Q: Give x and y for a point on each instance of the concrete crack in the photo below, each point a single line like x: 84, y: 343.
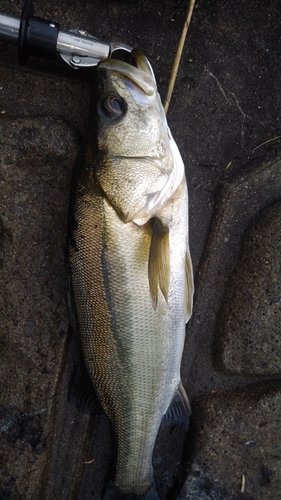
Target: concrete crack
x: 219, y: 85
x: 230, y: 102
x: 238, y: 106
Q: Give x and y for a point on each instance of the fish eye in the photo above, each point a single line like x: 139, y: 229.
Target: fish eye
x: 113, y: 106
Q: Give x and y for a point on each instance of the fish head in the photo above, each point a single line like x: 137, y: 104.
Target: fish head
x: 139, y: 163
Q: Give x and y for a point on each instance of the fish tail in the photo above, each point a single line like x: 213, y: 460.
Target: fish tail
x: 112, y: 492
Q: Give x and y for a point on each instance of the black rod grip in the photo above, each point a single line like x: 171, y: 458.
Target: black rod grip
x: 36, y: 36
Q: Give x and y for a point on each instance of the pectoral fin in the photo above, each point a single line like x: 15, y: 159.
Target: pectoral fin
x: 189, y: 286
x: 159, y: 262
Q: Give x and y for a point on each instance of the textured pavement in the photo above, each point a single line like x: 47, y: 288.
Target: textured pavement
x: 225, y: 117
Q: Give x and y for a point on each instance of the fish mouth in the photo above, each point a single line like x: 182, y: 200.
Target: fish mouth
x: 137, y: 75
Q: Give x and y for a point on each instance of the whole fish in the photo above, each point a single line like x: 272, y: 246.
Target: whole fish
x: 130, y: 272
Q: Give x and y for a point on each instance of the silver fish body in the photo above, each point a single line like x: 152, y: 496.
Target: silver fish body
x: 129, y: 266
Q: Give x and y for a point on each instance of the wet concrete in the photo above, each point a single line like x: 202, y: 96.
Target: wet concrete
x: 225, y: 117
x: 248, y: 331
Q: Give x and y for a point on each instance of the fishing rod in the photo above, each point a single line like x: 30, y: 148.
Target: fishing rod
x: 43, y: 38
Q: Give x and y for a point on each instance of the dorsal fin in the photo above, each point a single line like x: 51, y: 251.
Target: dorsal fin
x: 159, y: 261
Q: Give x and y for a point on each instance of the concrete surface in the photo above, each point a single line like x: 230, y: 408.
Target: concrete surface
x: 225, y: 117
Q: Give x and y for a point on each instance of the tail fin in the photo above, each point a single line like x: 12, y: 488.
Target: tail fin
x: 112, y: 492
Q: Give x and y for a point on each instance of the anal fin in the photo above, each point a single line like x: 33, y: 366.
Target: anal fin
x: 82, y: 393
x: 179, y: 410
x: 159, y: 261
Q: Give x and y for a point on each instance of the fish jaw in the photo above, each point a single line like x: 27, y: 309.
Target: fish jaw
x: 145, y: 80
